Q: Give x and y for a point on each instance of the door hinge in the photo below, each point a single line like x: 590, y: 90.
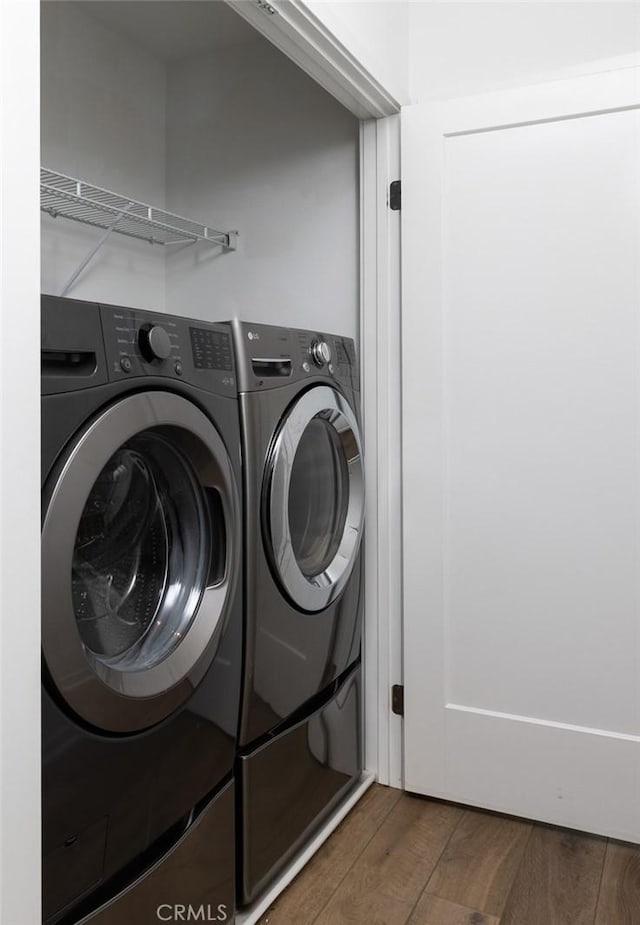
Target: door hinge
x: 395, y: 196
x: 397, y: 699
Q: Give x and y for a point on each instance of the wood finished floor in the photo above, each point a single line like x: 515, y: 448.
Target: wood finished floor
x: 399, y: 859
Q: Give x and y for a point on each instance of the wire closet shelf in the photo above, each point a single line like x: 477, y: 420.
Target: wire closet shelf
x: 75, y: 199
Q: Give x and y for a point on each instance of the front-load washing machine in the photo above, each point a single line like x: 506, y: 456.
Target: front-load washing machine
x: 141, y: 615
x: 300, y: 730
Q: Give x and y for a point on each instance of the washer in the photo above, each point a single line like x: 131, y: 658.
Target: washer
x: 300, y: 729
x: 141, y: 614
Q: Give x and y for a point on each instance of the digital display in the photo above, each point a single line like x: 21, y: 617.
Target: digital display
x: 211, y: 349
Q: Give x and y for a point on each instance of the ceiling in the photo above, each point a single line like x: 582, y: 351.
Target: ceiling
x: 173, y: 29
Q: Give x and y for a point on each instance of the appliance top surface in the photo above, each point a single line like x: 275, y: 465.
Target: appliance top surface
x: 269, y: 356
x: 85, y: 344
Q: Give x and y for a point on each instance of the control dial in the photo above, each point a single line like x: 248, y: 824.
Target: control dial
x: 321, y: 352
x: 154, y: 342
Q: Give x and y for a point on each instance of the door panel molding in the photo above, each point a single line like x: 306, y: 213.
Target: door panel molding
x: 560, y: 769
x: 536, y: 721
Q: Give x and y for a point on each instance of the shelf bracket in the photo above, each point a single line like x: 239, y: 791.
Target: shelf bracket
x: 232, y: 240
x: 94, y: 250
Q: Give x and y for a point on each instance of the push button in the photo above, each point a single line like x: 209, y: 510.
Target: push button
x: 126, y: 365
x: 178, y: 368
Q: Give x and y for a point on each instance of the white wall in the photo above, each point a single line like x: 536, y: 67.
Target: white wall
x: 268, y: 152
x: 458, y: 49
x: 103, y: 121
x: 19, y: 468
x: 237, y: 138
x: 377, y: 33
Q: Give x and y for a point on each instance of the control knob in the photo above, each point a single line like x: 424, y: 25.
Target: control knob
x: 321, y: 352
x: 154, y: 342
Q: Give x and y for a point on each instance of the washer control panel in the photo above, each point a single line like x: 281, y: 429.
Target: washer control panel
x: 140, y: 343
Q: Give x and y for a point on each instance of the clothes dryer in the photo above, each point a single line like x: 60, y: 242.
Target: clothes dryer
x: 300, y: 740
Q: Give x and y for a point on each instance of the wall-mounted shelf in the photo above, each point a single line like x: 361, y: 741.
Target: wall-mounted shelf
x: 71, y: 198
x: 68, y: 197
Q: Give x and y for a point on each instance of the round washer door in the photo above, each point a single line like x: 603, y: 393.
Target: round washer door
x: 315, y: 498
x: 140, y: 556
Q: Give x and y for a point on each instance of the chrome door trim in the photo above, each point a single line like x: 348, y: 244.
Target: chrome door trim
x: 317, y: 592
x: 125, y: 701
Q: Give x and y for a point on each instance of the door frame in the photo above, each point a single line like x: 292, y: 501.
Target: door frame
x: 380, y: 344
x: 293, y: 28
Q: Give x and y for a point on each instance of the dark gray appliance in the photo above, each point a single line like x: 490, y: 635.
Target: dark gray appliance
x: 300, y: 729
x: 141, y: 613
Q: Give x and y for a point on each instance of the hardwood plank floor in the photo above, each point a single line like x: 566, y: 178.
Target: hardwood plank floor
x: 479, y: 863
x: 386, y: 881
x: 431, y: 910
x: 558, y: 880
x: 399, y: 859
x: 619, y: 899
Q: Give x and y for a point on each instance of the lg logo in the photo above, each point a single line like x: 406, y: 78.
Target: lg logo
x: 178, y: 912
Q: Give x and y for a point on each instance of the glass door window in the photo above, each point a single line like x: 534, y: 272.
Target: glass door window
x: 141, y: 555
x: 315, y: 498
x: 318, y: 497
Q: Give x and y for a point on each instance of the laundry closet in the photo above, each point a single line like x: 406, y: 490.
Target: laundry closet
x: 209, y: 687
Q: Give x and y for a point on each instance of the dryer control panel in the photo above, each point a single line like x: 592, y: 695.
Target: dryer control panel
x: 269, y: 356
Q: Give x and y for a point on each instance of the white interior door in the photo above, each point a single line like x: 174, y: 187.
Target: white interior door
x: 521, y: 394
